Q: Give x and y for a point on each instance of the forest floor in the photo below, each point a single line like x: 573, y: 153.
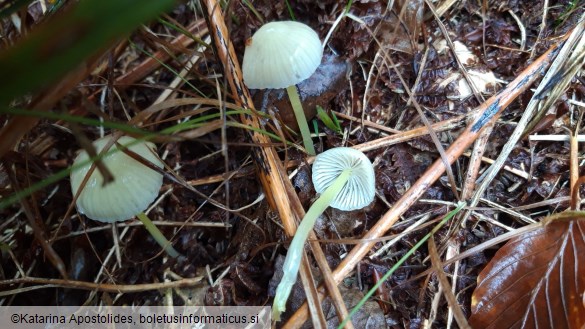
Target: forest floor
x: 396, y: 77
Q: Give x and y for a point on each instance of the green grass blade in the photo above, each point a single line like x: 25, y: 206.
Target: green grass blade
x: 68, y: 38
x: 336, y: 121
x: 77, y: 119
x: 332, y: 124
x: 254, y: 11
x: 367, y: 296
x: 290, y: 10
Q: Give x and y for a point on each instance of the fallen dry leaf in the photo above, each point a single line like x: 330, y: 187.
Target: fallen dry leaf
x: 536, y: 280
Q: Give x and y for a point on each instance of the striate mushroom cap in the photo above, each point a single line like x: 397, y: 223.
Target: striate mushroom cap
x: 360, y: 189
x: 281, y: 54
x: 134, y: 188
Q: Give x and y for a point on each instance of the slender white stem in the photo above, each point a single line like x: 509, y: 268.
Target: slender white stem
x: 295, y: 101
x: 295, y: 251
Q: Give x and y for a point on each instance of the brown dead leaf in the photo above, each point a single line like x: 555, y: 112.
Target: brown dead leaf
x: 536, y: 280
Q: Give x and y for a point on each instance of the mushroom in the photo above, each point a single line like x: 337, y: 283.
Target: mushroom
x: 134, y: 188
x: 281, y: 55
x: 345, y: 179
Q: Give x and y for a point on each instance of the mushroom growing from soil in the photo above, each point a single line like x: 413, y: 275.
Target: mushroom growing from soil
x: 345, y: 179
x: 134, y: 188
x: 280, y: 55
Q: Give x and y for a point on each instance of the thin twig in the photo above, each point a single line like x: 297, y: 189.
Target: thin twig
x: 84, y: 285
x: 449, y: 296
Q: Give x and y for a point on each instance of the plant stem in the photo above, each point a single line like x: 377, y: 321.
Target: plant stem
x: 157, y: 235
x: 295, y: 250
x: 295, y: 101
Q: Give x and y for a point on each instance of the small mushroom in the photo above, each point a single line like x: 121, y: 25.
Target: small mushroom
x: 280, y: 55
x: 134, y: 188
x: 345, y: 179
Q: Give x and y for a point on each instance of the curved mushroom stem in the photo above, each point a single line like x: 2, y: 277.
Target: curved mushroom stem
x: 295, y: 250
x: 157, y: 235
x: 295, y: 101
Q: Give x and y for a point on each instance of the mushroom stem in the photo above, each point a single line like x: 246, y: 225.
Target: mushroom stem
x: 157, y: 235
x: 295, y: 101
x: 295, y: 250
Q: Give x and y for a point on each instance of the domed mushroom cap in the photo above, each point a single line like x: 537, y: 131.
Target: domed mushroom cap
x: 360, y: 189
x: 281, y: 54
x: 135, y: 186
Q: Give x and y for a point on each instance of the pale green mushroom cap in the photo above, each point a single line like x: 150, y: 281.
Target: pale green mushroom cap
x: 281, y: 54
x: 360, y: 189
x: 134, y: 188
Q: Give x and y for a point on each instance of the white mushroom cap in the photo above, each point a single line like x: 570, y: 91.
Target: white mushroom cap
x: 135, y: 186
x: 360, y: 189
x: 281, y: 54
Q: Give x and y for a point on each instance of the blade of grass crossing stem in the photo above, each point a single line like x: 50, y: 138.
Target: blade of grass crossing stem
x: 66, y: 39
x: 369, y: 294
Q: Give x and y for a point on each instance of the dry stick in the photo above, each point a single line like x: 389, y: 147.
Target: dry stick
x: 475, y: 160
x: 575, y: 193
x: 474, y: 164
x: 277, y: 187
x: 574, y: 169
x: 479, y: 146
x: 444, y: 282
x: 107, y: 287
x: 413, y: 133
x: 150, y: 64
x: 454, y: 248
x: 471, y: 175
x: 488, y: 111
x: 572, y: 42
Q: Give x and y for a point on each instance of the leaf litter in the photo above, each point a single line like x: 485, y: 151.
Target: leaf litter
x: 236, y: 263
